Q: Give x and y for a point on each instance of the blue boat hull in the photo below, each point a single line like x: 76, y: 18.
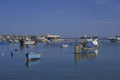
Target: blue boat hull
x: 33, y: 56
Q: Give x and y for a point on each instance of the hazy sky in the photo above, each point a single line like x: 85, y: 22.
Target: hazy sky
x: 68, y: 18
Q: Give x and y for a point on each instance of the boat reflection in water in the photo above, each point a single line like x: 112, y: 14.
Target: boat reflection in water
x: 29, y: 63
x: 85, y: 55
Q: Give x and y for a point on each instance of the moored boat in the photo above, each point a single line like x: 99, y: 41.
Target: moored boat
x: 90, y: 44
x: 81, y: 49
x: 33, y: 56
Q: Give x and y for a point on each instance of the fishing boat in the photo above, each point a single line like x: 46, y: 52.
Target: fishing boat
x: 81, y: 49
x: 33, y: 56
x: 89, y: 45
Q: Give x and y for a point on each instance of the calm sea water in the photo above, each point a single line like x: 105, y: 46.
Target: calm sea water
x: 60, y: 63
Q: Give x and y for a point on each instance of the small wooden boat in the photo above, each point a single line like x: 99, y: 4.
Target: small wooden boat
x: 87, y: 44
x: 33, y: 56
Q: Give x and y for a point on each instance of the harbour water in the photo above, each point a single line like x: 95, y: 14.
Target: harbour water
x: 60, y: 63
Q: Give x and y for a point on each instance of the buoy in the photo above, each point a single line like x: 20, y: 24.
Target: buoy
x: 16, y: 49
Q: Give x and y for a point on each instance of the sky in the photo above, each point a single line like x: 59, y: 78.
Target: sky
x: 68, y: 18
